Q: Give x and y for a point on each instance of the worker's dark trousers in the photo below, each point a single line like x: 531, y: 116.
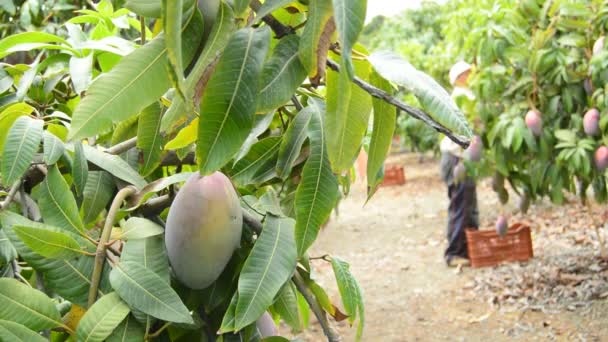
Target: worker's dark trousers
x: 462, y: 214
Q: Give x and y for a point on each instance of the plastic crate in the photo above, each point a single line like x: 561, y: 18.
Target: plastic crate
x: 487, y: 248
x: 393, y: 175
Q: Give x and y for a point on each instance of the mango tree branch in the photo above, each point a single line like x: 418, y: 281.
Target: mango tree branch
x: 100, y: 254
x: 11, y: 195
x: 281, y: 30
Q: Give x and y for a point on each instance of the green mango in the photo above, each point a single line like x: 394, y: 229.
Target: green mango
x: 203, y: 229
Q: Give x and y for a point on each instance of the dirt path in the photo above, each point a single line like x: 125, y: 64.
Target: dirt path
x: 395, y: 246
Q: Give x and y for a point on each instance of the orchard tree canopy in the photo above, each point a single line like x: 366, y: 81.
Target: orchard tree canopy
x: 249, y: 115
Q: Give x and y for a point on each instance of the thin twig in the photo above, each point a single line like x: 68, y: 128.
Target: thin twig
x: 11, y: 195
x: 331, y: 334
x: 123, y: 146
x: 100, y: 254
x: 159, y: 331
x: 142, y: 25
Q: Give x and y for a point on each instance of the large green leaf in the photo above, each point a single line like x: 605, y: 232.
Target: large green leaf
x: 48, y: 243
x: 348, y: 110
x: 317, y: 193
x: 80, y: 168
x: 292, y: 142
x: 172, y: 25
x: 68, y: 278
x: 319, y: 16
x: 14, y: 332
x: 270, y: 264
x: 57, y: 204
x: 115, y: 165
x: 144, y: 290
x: 350, y: 18
x: 433, y: 97
x: 149, y: 139
x: 97, y: 193
x: 22, y: 304
x: 286, y: 305
x: 27, y: 38
x: 8, y: 117
x: 53, y: 148
x: 102, y: 318
x: 21, y: 144
x: 7, y: 251
x: 227, y: 109
x: 128, y: 331
x: 245, y: 169
x: 352, y: 297
x: 282, y: 74
x: 138, y: 80
x: 222, y: 30
x: 385, y: 116
x: 140, y: 228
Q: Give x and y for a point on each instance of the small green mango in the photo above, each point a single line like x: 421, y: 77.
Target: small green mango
x: 203, y: 229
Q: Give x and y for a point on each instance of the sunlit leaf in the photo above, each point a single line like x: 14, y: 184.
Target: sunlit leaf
x: 21, y: 144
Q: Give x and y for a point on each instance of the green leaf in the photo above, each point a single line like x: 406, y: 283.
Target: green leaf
x: 8, y: 117
x: 350, y: 18
x: 128, y: 331
x: 11, y: 331
x: 53, y: 148
x: 102, y: 318
x: 97, y: 194
x: 7, y: 251
x: 351, y: 294
x: 21, y: 144
x: 80, y: 168
x: 138, y: 80
x: 382, y: 135
x: 240, y: 6
x: 26, y: 80
x: 81, y: 72
x: 227, y: 109
x: 115, y: 165
x: 270, y: 6
x: 48, y: 243
x: 27, y: 37
x: 317, y: 193
x: 184, y: 137
x: 22, y: 304
x: 270, y: 264
x: 149, y: 139
x: 218, y: 38
x: 144, y: 290
x: 140, y: 228
x: 57, y: 204
x: 433, y: 97
x: 262, y: 122
x: 282, y: 74
x: 287, y: 306
x: 172, y: 25
x: 246, y: 168
x: 318, y: 24
x: 348, y: 110
x: 68, y: 278
x: 292, y: 142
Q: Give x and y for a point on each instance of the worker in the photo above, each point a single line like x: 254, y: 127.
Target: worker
x: 462, y: 212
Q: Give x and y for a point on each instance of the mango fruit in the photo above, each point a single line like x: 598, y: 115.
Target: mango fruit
x: 502, y: 225
x: 265, y: 326
x: 203, y: 229
x: 534, y: 122
x: 473, y: 152
x: 591, y: 122
x: 601, y: 158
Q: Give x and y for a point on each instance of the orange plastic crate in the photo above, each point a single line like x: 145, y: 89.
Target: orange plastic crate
x: 393, y: 175
x: 487, y: 248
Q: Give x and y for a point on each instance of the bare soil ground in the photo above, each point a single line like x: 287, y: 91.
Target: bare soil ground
x: 395, y: 247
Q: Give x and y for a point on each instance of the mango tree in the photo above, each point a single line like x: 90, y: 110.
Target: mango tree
x: 167, y: 166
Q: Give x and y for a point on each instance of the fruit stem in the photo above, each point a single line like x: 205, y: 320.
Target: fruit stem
x: 100, y: 254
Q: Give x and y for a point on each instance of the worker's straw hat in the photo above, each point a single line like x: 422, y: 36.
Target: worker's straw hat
x: 457, y: 70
